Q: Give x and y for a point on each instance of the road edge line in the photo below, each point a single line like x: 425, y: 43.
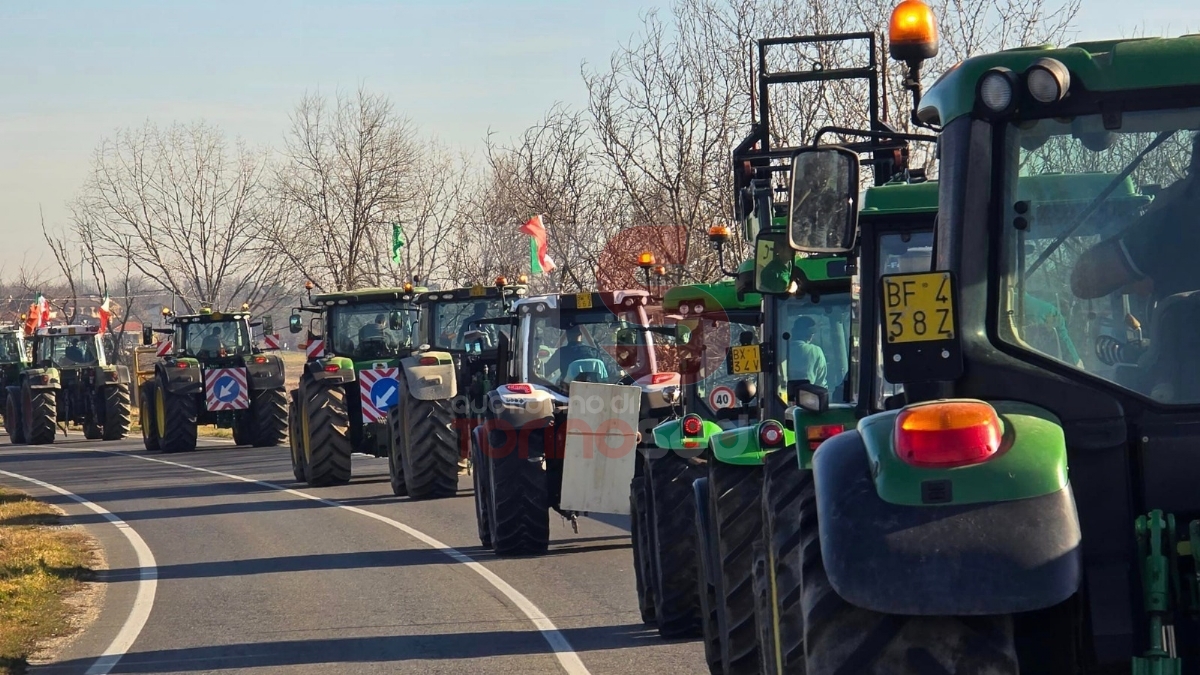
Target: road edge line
x: 143, y: 602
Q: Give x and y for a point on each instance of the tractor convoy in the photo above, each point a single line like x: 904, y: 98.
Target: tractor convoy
x: 934, y: 424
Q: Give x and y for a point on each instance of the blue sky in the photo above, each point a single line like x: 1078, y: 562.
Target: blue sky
x: 75, y: 71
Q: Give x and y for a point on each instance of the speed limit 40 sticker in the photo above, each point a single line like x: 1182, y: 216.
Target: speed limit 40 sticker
x: 720, y: 397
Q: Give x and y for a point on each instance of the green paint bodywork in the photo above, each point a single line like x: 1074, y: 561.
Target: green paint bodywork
x: 1031, y: 463
x: 722, y: 294
x: 802, y: 419
x: 898, y: 198
x: 669, y: 434
x: 1102, y: 66
x: 740, y: 446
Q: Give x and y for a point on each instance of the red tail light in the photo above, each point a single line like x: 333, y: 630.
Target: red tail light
x: 770, y: 435
x: 260, y: 359
x: 948, y: 434
x: 428, y: 361
x: 818, y: 433
x: 181, y: 364
x: 692, y: 425
x: 519, y: 388
x: 661, y: 378
x: 332, y: 368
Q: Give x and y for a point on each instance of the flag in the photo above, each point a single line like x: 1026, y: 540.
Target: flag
x: 43, y: 308
x: 539, y: 256
x: 397, y: 242
x: 105, y: 313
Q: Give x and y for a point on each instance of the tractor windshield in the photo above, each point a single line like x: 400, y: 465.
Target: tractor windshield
x: 1100, y: 229
x: 10, y: 348
x: 372, y: 330
x: 69, y: 351
x: 453, y: 320
x: 588, y: 346
x: 214, y: 339
x: 813, y: 344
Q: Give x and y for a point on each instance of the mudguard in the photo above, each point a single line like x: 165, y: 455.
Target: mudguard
x: 320, y: 371
x: 1015, y: 552
x: 182, y: 376
x: 741, y: 446
x: 42, y: 378
x: 430, y: 382
x: 265, y: 374
x: 668, y: 435
x: 513, y: 414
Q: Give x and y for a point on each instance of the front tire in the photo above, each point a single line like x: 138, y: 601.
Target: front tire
x: 395, y: 461
x: 672, y: 507
x: 326, y: 434
x: 295, y: 442
x: 176, y: 420
x: 148, y: 417
x: 39, y: 414
x: 268, y: 418
x: 783, y: 481
x: 116, y: 412
x: 480, y: 476
x: 639, y: 533
x: 430, y: 465
x: 519, y: 501
x: 734, y: 493
x: 13, y: 423
x: 708, y: 578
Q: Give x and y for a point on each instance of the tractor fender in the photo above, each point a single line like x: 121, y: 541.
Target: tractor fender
x: 180, y: 377
x: 267, y: 374
x: 330, y: 369
x: 512, y: 413
x: 430, y: 382
x: 958, y: 558
x: 41, y: 378
x: 740, y: 446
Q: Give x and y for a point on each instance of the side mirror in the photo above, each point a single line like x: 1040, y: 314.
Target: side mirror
x: 773, y: 259
x: 268, y: 325
x: 294, y: 324
x: 823, y: 213
x: 683, y: 334
x: 395, y: 320
x: 147, y: 335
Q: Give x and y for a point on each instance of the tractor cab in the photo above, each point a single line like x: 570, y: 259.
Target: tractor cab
x: 68, y: 347
x: 363, y: 325
x: 463, y: 320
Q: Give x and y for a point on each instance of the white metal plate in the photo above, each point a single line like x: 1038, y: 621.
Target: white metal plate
x: 600, y: 448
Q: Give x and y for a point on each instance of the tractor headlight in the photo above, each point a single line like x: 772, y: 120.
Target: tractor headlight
x: 996, y: 90
x: 1047, y: 80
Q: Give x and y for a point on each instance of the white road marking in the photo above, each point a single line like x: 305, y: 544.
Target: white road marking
x: 566, y: 655
x: 143, y: 602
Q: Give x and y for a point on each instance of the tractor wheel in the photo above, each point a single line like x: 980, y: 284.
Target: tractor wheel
x: 326, y: 434
x: 395, y: 460
x: 295, y: 442
x: 479, y: 475
x: 241, y: 427
x: 519, y: 502
x: 842, y: 638
x: 148, y: 417
x: 428, y: 445
x: 92, y: 430
x: 116, y: 412
x: 39, y: 413
x: 639, y: 534
x: 782, y: 481
x: 176, y: 416
x: 761, y: 577
x: 671, y: 509
x: 708, y: 578
x: 734, y: 494
x: 268, y: 418
x: 12, y: 417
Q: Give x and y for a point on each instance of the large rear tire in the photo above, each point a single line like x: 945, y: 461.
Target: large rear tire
x: 841, y: 638
x: 116, y: 412
x: 395, y: 460
x: 177, y: 417
x: 326, y: 434
x: 480, y: 475
x: 734, y: 494
x: 428, y: 445
x: 13, y: 423
x: 672, y: 507
x: 639, y: 534
x: 39, y: 414
x: 519, y: 501
x: 295, y: 442
x: 148, y: 418
x: 708, y: 578
x: 782, y: 483
x: 268, y: 410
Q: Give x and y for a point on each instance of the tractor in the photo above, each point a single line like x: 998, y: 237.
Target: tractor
x: 579, y: 388
x: 211, y: 371
x: 446, y: 379
x: 13, y: 359
x: 1024, y: 500
x: 356, y: 341
x: 68, y: 380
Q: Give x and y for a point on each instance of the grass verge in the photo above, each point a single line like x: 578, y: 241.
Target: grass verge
x: 42, y: 564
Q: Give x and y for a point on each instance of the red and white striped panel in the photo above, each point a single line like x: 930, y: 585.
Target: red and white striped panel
x: 226, y: 389
x: 378, y: 389
x: 271, y: 340
x: 315, y: 348
x: 164, y: 348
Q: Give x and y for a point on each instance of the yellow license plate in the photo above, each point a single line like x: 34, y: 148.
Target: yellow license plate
x: 746, y: 359
x: 918, y: 307
x: 477, y: 291
x: 583, y: 300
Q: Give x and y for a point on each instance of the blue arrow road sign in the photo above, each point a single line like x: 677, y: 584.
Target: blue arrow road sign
x: 383, y: 393
x: 227, y: 389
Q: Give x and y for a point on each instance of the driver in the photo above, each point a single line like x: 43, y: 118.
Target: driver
x: 373, y: 331
x: 1158, y: 248
x: 74, y: 352
x: 574, y: 350
x: 212, y: 342
x: 806, y: 359
x: 479, y: 312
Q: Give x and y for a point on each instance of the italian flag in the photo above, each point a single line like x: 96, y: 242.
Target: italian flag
x: 105, y: 314
x: 540, y: 261
x: 39, y: 315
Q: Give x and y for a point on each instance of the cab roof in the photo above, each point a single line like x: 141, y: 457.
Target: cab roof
x: 209, y: 317
x: 611, y: 299
x: 476, y: 292
x: 67, y: 330
x: 367, y: 295
x: 1099, y: 66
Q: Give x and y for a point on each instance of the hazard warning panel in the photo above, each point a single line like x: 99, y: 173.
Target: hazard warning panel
x: 379, y: 389
x: 315, y: 348
x: 164, y: 348
x: 271, y: 340
x: 225, y: 389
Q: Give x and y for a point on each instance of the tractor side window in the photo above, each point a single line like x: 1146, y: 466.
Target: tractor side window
x: 813, y: 344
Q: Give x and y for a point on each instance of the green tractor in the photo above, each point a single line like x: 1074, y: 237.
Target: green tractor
x: 1020, y: 504
x: 13, y: 359
x: 446, y: 379
x: 68, y: 380
x: 356, y: 342
x: 211, y: 371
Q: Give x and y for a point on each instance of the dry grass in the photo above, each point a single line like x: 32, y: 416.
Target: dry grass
x: 42, y: 564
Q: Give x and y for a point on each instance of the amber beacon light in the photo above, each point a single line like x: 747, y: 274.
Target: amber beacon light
x: 912, y: 32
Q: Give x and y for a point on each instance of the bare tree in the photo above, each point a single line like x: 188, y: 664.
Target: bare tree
x: 345, y: 180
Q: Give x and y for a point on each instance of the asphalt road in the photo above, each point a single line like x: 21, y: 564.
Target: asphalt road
x: 254, y: 578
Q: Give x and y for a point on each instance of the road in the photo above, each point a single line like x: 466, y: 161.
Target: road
x: 258, y: 574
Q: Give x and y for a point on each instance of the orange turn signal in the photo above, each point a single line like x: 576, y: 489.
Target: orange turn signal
x: 948, y: 433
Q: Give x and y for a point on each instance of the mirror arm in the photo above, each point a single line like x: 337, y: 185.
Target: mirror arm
x: 912, y: 82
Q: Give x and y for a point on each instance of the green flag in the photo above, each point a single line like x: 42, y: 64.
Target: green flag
x: 397, y: 242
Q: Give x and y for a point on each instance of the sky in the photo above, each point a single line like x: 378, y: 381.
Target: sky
x: 71, y: 73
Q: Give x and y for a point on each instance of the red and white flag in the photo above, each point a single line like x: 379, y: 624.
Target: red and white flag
x: 539, y: 253
x: 105, y: 314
